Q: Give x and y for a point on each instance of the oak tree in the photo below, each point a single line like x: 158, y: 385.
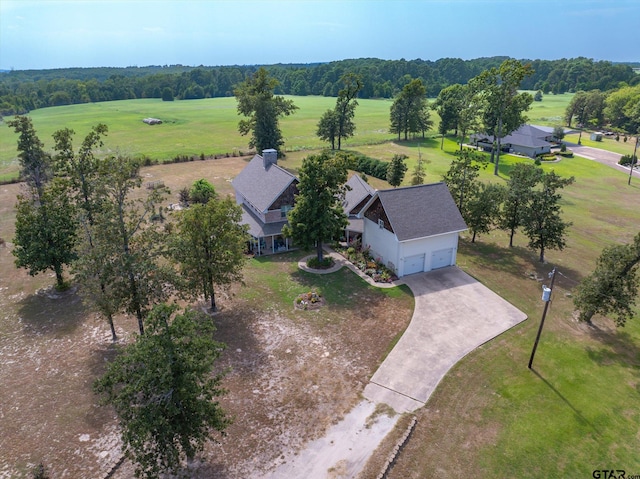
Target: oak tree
x: 165, y: 390
x: 263, y: 109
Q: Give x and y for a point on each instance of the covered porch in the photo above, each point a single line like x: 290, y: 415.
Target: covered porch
x: 266, y: 238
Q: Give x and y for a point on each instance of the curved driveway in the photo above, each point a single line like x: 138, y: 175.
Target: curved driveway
x: 454, y: 314
x: 605, y: 157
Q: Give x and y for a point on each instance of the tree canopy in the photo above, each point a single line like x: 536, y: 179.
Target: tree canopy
x: 318, y: 215
x: 257, y: 102
x: 396, y: 170
x: 502, y: 106
x: 208, y: 245
x: 612, y: 288
x: 409, y: 112
x: 164, y: 390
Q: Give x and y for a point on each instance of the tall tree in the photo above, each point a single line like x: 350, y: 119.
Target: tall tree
x: 35, y: 164
x: 82, y: 171
x: 523, y: 178
x: 469, y: 115
x: 504, y: 107
x: 613, y: 285
x: 339, y: 124
x: 164, y: 390
x: 587, y: 108
x: 483, y: 210
x: 409, y: 112
x: 448, y: 105
x: 263, y: 109
x: 318, y: 215
x: 462, y: 177
x: 45, y: 231
x: 542, y: 221
x: 396, y: 170
x: 328, y: 127
x: 131, y: 244
x: 208, y: 245
x: 45, y: 218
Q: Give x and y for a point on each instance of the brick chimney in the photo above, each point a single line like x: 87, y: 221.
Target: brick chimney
x: 269, y: 157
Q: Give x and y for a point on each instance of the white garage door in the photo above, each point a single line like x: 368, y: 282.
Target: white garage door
x: 441, y: 258
x: 414, y: 264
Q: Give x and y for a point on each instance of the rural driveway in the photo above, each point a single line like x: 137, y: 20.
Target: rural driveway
x: 454, y: 314
x: 601, y: 156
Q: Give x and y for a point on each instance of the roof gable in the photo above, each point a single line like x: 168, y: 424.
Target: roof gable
x: 262, y: 186
x: 359, y: 191
x: 420, y: 211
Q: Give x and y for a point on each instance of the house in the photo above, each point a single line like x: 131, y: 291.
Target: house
x: 266, y: 193
x: 358, y: 193
x: 412, y: 229
x: 527, y: 140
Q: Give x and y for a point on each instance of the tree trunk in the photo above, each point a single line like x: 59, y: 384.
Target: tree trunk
x: 59, y: 278
x: 214, y: 308
x: 319, y: 252
x: 513, y: 232
x: 473, y: 239
x: 542, y: 254
x: 442, y: 142
x: 114, y: 337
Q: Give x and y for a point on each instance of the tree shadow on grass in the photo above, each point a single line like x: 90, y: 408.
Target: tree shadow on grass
x: 576, y: 412
x: 48, y: 312
x: 518, y: 261
x: 619, y: 348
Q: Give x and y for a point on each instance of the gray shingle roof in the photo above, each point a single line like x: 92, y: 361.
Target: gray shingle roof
x: 421, y: 211
x: 527, y: 135
x: 358, y: 192
x: 260, y: 186
x: 257, y: 228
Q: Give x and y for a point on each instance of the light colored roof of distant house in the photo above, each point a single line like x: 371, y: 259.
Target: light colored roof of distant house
x: 420, y: 211
x: 260, y: 186
x: 360, y: 189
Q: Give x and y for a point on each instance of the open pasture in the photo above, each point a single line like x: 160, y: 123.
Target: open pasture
x: 210, y: 126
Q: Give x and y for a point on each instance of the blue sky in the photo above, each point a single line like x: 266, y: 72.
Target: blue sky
x: 84, y: 33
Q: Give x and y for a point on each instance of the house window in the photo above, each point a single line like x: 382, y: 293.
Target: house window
x: 284, y: 210
x: 381, y: 224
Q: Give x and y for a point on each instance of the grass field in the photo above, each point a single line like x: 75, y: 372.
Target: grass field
x: 209, y: 126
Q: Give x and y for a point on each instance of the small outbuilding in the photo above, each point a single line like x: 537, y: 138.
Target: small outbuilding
x: 412, y: 229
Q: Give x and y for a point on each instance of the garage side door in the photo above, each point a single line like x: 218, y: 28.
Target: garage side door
x: 441, y: 258
x: 414, y: 264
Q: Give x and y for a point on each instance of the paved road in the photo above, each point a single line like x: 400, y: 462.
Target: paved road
x: 454, y: 314
x: 601, y: 156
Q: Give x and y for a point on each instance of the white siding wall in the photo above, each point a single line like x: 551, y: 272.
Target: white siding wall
x: 383, y: 243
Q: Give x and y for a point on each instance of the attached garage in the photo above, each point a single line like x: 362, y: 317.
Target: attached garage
x: 441, y: 258
x: 412, y: 229
x: 414, y: 264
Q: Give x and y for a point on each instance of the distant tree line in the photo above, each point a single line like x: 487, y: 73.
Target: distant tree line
x: 25, y: 90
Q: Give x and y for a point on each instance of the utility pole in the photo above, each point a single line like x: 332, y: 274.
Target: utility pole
x: 634, y: 158
x: 544, y: 315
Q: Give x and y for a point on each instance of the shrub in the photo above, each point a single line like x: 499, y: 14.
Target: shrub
x: 563, y: 148
x: 627, y: 160
x: 327, y: 262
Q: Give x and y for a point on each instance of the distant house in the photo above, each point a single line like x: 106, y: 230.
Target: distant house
x: 527, y: 140
x: 266, y: 193
x: 412, y: 229
x: 357, y: 195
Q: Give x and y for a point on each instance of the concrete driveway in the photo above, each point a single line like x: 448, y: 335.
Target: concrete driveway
x: 454, y: 314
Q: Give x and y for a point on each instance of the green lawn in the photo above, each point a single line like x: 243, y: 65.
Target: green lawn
x: 209, y: 126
